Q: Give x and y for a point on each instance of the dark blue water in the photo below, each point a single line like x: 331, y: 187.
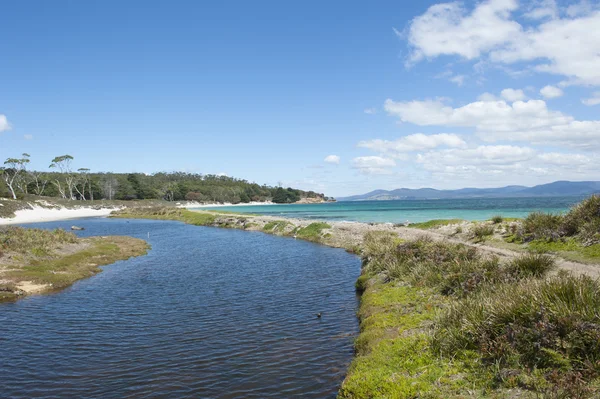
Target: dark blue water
x: 208, y: 313
x: 414, y: 211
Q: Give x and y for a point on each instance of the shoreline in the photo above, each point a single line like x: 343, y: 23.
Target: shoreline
x: 39, y: 214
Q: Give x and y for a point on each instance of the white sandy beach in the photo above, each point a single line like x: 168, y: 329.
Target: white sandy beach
x: 199, y: 205
x: 39, y: 214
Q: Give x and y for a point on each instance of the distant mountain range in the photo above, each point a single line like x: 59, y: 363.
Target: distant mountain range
x: 556, y: 189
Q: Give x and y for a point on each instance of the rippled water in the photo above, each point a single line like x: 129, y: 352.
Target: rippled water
x: 399, y: 211
x: 208, y: 313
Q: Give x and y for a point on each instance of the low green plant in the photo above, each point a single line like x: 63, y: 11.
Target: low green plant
x: 432, y: 224
x: 481, y: 231
x: 312, y: 232
x: 275, y: 226
x: 497, y: 219
x: 531, y: 265
x: 549, y: 325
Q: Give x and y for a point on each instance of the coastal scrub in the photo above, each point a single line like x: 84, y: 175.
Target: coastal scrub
x: 38, y: 261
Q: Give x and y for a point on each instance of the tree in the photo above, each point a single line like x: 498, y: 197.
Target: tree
x: 38, y: 180
x: 16, y: 166
x: 63, y: 164
x: 83, y: 180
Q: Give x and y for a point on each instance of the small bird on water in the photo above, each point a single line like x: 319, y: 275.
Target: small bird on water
x: 318, y: 315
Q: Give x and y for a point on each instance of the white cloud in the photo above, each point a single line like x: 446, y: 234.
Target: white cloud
x: 487, y: 97
x: 568, y: 46
x: 542, y: 9
x: 413, y: 142
x: 458, y: 79
x: 4, y: 125
x: 28, y: 136
x: 447, y: 29
x: 578, y: 9
x: 370, y: 111
x: 373, y: 165
x: 332, y: 159
x: 594, y: 100
x: 513, y: 95
x: 529, y: 121
x: 551, y: 92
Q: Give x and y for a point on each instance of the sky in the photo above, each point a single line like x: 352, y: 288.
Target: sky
x: 340, y: 97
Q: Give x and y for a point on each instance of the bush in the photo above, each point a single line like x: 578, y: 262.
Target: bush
x: 497, y: 219
x: 583, y: 220
x: 541, y: 226
x: 531, y: 265
x: 481, y: 231
x: 538, y: 324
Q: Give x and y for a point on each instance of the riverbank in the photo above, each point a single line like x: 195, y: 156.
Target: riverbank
x: 36, y: 261
x: 407, y: 298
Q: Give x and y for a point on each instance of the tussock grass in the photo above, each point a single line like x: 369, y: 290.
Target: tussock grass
x: 481, y: 231
x: 497, y: 219
x: 32, y: 241
x: 546, y: 332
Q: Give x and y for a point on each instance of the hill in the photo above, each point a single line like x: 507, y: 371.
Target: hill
x: 558, y: 188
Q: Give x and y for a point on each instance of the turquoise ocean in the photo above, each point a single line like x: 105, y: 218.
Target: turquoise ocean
x: 414, y: 211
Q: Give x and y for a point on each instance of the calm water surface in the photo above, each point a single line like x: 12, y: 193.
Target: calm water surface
x: 208, y: 313
x: 414, y: 211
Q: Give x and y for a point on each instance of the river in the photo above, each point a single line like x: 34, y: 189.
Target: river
x: 208, y: 313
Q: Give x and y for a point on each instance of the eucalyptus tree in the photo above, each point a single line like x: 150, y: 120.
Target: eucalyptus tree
x: 14, y: 169
x: 83, y: 180
x: 63, y: 164
x: 39, y: 180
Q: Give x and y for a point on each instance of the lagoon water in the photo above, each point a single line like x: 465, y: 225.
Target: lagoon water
x: 414, y: 211
x: 208, y: 313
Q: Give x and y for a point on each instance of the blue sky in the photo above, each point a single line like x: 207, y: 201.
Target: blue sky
x: 392, y: 94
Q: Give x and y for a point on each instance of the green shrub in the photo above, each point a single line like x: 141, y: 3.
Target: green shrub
x: 531, y: 265
x: 482, y: 231
x: 537, y: 324
x: 541, y: 226
x: 313, y: 231
x: 497, y: 219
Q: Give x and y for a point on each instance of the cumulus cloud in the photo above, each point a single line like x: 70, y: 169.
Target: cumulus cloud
x: 413, y: 142
x: 448, y: 29
x: 567, y: 46
x: 4, y: 125
x: 551, y: 92
x: 542, y: 9
x: 530, y: 121
x: 373, y: 165
x: 513, y: 95
x: 334, y: 159
x: 594, y: 100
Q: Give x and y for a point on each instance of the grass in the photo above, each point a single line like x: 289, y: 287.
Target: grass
x: 434, y: 224
x: 313, y: 232
x: 441, y: 320
x: 497, y: 219
x: 541, y: 334
x: 55, y: 258
x: 481, y: 231
x: 276, y: 226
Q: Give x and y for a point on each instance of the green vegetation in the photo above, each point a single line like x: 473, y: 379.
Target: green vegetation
x: 432, y: 224
x: 582, y: 222
x: 52, y: 260
x: 66, y: 182
x: 481, y: 231
x: 441, y: 320
x: 312, y: 232
x: 497, y: 219
x: 276, y: 226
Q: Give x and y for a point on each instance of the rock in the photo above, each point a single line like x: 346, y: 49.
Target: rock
x: 77, y: 228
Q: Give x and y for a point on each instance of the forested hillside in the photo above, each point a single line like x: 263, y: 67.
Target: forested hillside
x: 64, y: 181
